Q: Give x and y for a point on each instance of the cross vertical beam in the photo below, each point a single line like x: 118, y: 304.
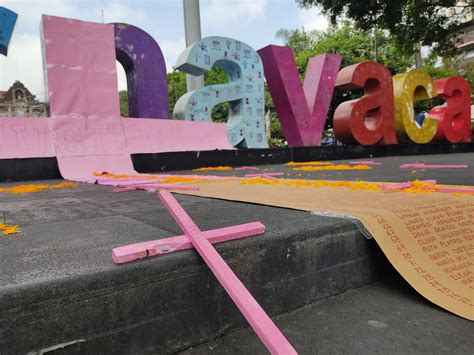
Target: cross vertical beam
x: 261, y: 323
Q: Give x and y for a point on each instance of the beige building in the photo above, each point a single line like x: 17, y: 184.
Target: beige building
x: 18, y: 101
x: 465, y: 43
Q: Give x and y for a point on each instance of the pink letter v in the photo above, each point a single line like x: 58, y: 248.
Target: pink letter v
x: 302, y: 109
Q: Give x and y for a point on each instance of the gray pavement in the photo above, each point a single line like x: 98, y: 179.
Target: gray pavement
x: 58, y: 282
x: 386, y: 317
x: 389, y: 171
x: 81, y: 213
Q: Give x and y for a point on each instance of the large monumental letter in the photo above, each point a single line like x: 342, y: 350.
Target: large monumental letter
x: 80, y: 73
x: 302, y: 109
x: 7, y: 24
x: 244, y: 91
x: 369, y: 119
x: 408, y: 87
x: 144, y: 65
x: 81, y: 86
x: 454, y: 117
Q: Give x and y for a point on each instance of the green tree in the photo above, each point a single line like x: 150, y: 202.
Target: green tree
x: 299, y: 40
x: 355, y: 45
x: 352, y: 43
x: 410, y: 22
x: 177, y: 88
x: 468, y: 72
x: 220, y: 112
x: 123, y: 97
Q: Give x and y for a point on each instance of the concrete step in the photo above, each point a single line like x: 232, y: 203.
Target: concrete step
x: 386, y: 317
x: 58, y: 284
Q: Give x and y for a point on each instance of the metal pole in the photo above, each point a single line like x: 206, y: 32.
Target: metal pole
x: 376, y: 48
x: 192, y: 29
x: 418, y: 59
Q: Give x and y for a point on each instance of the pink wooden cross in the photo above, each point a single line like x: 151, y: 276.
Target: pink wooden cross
x: 127, y: 253
x: 154, y: 187
x: 261, y: 323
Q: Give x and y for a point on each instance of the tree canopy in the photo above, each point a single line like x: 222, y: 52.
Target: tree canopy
x: 354, y: 44
x: 430, y: 23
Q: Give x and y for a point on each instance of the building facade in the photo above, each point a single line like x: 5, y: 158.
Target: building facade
x: 18, y: 101
x: 465, y: 39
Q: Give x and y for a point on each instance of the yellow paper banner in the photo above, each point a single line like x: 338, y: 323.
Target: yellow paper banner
x: 429, y: 237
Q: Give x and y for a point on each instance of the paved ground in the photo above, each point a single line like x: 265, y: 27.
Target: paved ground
x: 141, y: 215
x: 58, y: 282
x: 389, y: 171
x: 69, y: 233
x: 386, y: 317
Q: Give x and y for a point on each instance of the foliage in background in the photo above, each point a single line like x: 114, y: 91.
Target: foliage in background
x: 123, y: 96
x: 220, y: 113
x: 177, y: 88
x: 353, y: 44
x: 409, y: 21
x: 468, y: 73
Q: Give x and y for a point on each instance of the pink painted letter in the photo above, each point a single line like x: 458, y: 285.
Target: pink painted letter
x: 302, y: 108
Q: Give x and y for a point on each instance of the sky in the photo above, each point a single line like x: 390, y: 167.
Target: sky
x: 254, y: 22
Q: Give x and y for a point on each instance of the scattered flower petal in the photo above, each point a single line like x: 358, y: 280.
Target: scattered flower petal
x: 25, y: 189
x: 214, y: 168
x: 334, y: 167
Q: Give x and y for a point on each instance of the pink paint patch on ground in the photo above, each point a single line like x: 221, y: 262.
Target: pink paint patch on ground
x: 264, y: 175
x: 405, y: 185
x: 455, y: 190
x: 124, y: 189
x: 400, y: 185
x: 156, y: 187
x: 365, y: 162
x: 247, y: 168
x: 425, y: 166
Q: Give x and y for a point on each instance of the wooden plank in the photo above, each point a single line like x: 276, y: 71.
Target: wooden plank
x: 131, y: 252
x: 261, y: 323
